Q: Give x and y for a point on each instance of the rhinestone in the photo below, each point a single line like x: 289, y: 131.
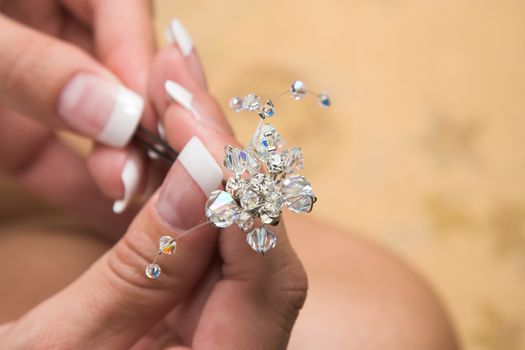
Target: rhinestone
x: 250, y: 199
x: 266, y: 139
x: 236, y: 104
x: 298, y: 90
x: 270, y: 212
x: 221, y: 209
x: 153, y: 271
x: 275, y: 164
x: 298, y: 194
x: 261, y: 239
x: 167, y: 245
x: 293, y: 160
x: 245, y: 221
x: 235, y: 160
x: 235, y: 185
x: 324, y: 100
x: 251, y: 102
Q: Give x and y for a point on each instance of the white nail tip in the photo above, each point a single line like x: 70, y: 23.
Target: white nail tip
x: 177, y: 33
x: 124, y: 118
x: 179, y: 94
x: 201, y: 166
x: 130, y: 179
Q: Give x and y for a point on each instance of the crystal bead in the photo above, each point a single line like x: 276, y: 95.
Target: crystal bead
x: 235, y: 160
x: 275, y: 163
x: 152, y: 271
x: 235, y: 104
x: 324, y: 99
x: 252, y: 164
x: 298, y: 90
x: 221, y: 209
x: 268, y: 110
x: 167, y: 245
x: 270, y: 213
x: 250, y: 199
x: 266, y: 139
x: 251, y: 102
x: 261, y: 239
x: 293, y: 160
x: 298, y: 194
x: 245, y: 221
x: 235, y: 186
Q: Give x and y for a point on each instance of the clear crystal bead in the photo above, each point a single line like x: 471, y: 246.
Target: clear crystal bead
x: 251, y: 102
x: 275, y: 163
x: 261, y: 239
x: 245, y: 221
x: 266, y: 139
x: 298, y: 194
x: 235, y: 104
x: 235, y: 160
x: 270, y: 212
x: 298, y: 90
x: 324, y: 99
x: 235, y: 186
x: 293, y: 160
x: 250, y: 199
x: 268, y: 110
x: 167, y: 245
x: 153, y: 271
x: 221, y: 209
x: 252, y: 165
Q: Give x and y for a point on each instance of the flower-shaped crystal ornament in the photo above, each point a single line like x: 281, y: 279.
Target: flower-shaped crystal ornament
x: 263, y: 182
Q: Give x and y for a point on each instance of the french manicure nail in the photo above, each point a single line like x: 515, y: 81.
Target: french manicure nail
x: 130, y: 180
x: 177, y: 34
x: 101, y: 109
x: 198, y: 163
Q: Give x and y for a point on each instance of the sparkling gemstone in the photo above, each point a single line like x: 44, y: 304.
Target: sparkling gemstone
x: 250, y: 199
x: 293, y: 160
x: 252, y: 164
x: 245, y: 221
x: 235, y: 104
x: 266, y: 139
x: 221, y: 209
x: 235, y: 160
x: 270, y: 213
x: 261, y: 239
x: 251, y: 102
x: 153, y: 271
x: 268, y: 110
x: 275, y: 163
x: 324, y: 99
x: 298, y: 90
x: 167, y: 245
x: 298, y: 194
x: 235, y: 185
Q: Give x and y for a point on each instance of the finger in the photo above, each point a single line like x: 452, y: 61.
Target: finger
x: 123, y: 304
x: 68, y: 83
x: 177, y: 35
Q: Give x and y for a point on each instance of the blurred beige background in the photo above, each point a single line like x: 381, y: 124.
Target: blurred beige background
x: 423, y: 149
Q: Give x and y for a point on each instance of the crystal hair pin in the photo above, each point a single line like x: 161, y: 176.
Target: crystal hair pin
x: 264, y: 181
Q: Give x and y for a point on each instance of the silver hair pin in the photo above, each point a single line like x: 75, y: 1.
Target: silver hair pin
x: 264, y: 180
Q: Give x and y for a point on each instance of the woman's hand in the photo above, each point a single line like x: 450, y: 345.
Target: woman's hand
x: 64, y: 64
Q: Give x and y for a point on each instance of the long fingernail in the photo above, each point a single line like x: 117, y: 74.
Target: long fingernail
x: 177, y: 193
x: 178, y: 93
x: 100, y: 109
x: 176, y: 33
x: 130, y: 177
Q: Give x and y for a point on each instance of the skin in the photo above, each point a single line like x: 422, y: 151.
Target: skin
x: 369, y: 300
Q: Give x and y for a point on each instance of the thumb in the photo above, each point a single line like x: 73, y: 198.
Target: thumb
x: 113, y: 304
x: 62, y: 86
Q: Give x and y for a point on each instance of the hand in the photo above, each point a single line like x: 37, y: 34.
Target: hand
x: 64, y: 64
x: 215, y: 292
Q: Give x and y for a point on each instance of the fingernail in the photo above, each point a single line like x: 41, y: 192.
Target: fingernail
x: 100, y: 109
x: 194, y: 164
x: 130, y: 177
x: 177, y: 34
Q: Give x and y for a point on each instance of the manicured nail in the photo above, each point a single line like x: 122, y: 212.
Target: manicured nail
x: 100, y: 109
x: 130, y: 177
x: 194, y: 164
x: 177, y: 34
